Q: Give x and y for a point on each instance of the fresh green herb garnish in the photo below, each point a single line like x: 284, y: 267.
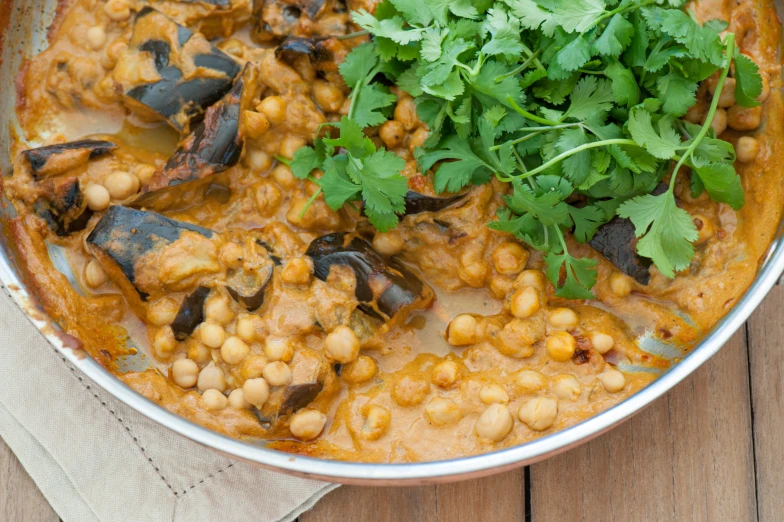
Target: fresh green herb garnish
x: 577, y: 104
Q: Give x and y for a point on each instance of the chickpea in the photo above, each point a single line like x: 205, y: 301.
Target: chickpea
x: 162, y: 311
x: 274, y: 108
x: 144, y: 173
x: 601, y: 342
x: 289, y: 145
x: 500, y: 286
x: 566, y: 387
x: 248, y: 327
x: 278, y: 350
x: 727, y: 96
x: 538, y: 413
x: 96, y: 37
x: 305, y: 69
x: 405, y: 113
x: 362, y: 369
x: 494, y: 423
x: 94, y: 274
x: 296, y: 272
x: 253, y: 366
x: 388, y: 243
x: 257, y: 160
x: 277, y: 373
x: 214, y: 400
x: 473, y: 272
x: 525, y: 302
x: 254, y: 124
x: 199, y: 353
x: 376, y: 423
x: 164, y: 342
x: 328, y: 96
x: 307, y: 424
x: 212, y: 335
x: 410, y: 391
x: 765, y: 88
x: 696, y: 114
x: 234, y: 350
x: 509, y: 258
x: 418, y: 138
x: 518, y: 337
x: 719, y: 121
x: 530, y: 381
x: 121, y: 185
x: 561, y: 346
x: 342, y: 345
x: 268, y: 199
x: 237, y: 400
x: 256, y: 391
x: 613, y: 380
x: 533, y: 278
x: 493, y: 393
x: 461, y: 330
x: 392, y: 133
x: 445, y: 374
x: 747, y: 149
x: 705, y: 229
x: 117, y: 10
x: 744, y: 118
x: 211, y: 378
x: 620, y: 284
x: 97, y: 197
x: 218, y: 310
x: 284, y: 177
x: 441, y: 411
x: 185, y: 372
x: 564, y: 318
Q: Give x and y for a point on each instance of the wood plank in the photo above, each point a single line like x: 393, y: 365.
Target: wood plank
x: 686, y: 457
x: 497, y: 498
x: 20, y: 499
x: 766, y: 338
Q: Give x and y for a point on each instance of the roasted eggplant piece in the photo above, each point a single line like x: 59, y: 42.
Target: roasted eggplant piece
x: 53, y: 160
x: 317, y: 49
x: 384, y: 288
x: 309, y: 373
x: 248, y: 288
x: 617, y: 242
x: 280, y: 18
x: 168, y: 72
x: 191, y: 313
x: 62, y: 206
x: 126, y: 235
x: 214, y: 146
x: 417, y: 203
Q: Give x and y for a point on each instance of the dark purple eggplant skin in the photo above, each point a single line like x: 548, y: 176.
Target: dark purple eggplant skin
x: 171, y: 96
x: 250, y: 296
x: 63, y: 207
x: 617, y: 242
x: 314, y: 48
x: 402, y: 289
x: 53, y: 160
x: 126, y: 235
x: 191, y: 313
x: 285, y: 14
x: 215, y: 145
x: 417, y: 203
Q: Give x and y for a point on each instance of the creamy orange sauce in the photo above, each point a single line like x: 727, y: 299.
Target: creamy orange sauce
x: 73, y: 91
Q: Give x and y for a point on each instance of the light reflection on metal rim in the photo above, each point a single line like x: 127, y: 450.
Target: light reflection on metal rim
x: 364, y: 473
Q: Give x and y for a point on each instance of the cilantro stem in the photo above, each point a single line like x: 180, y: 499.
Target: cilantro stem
x: 283, y: 160
x: 538, y: 131
x: 620, y: 9
x: 524, y: 113
x: 571, y: 152
x: 588, y: 71
x: 518, y: 70
x: 355, y: 93
x: 730, y: 51
x: 352, y: 35
x: 310, y: 202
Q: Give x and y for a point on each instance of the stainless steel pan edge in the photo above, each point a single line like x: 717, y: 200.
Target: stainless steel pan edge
x: 27, y: 33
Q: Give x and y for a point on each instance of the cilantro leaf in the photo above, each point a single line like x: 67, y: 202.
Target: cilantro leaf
x: 578, y: 15
x: 615, y: 38
x: 391, y: 28
x: 580, y: 275
x: 663, y: 144
x: 358, y: 63
x: 748, y: 82
x: 678, y: 92
x: 722, y: 183
x: 624, y: 84
x: 533, y: 16
x: 590, y: 99
x: 453, y: 175
x: 304, y: 161
x: 368, y: 102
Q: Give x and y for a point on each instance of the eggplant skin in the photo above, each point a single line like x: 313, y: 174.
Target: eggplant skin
x: 53, y: 160
x: 250, y: 296
x: 384, y: 288
x: 617, y: 242
x: 126, y: 235
x: 62, y: 206
x: 214, y: 146
x: 317, y: 49
x: 191, y: 313
x: 417, y: 203
x: 173, y: 98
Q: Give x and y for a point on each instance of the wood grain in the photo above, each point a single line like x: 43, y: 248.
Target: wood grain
x: 686, y: 457
x: 766, y: 346
x: 20, y: 499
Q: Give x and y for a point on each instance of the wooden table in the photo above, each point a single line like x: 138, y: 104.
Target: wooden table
x: 710, y: 450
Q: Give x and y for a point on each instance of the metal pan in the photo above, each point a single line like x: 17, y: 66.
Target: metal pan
x: 24, y: 25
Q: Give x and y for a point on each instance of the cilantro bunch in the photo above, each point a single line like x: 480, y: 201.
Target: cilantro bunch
x: 577, y: 104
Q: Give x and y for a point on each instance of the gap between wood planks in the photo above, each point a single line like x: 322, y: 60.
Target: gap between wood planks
x: 691, y: 455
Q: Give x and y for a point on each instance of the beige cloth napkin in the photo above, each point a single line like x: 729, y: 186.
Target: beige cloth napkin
x: 97, y: 460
